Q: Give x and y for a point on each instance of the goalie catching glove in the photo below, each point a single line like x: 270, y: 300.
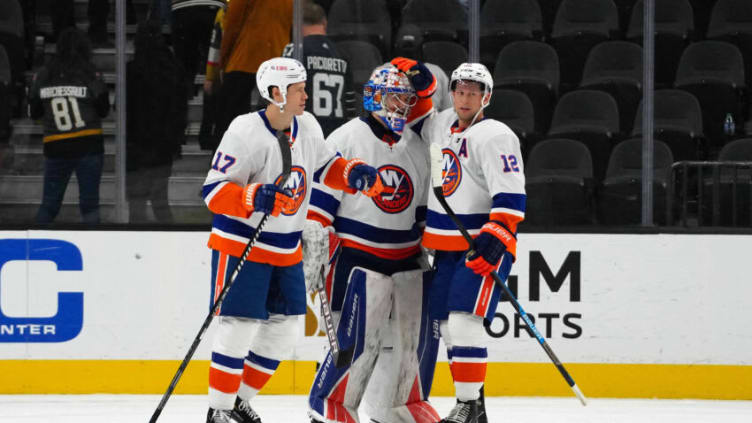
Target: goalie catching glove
x: 265, y: 198
x: 490, y: 245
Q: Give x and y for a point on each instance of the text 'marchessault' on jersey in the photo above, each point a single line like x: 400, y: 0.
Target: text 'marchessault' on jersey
x: 249, y: 153
x: 71, y: 110
x: 484, y: 180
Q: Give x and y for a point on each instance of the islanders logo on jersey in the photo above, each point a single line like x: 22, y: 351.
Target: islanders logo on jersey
x: 296, y: 187
x: 451, y: 170
x: 398, y: 189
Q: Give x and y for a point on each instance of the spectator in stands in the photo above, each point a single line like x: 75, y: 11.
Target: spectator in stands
x: 192, y: 22
x: 157, y: 117
x: 208, y: 138
x: 330, y: 88
x: 72, y: 98
x: 62, y: 13
x: 255, y: 31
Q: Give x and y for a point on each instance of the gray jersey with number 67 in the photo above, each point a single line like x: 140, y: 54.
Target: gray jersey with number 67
x: 329, y: 82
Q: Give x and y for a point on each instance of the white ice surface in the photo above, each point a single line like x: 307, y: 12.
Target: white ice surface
x: 289, y: 408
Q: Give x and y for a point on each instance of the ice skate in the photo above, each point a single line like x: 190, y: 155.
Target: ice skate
x: 482, y: 417
x: 463, y: 412
x: 219, y: 416
x: 243, y: 413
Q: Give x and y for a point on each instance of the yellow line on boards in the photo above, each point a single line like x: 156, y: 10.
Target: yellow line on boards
x: 294, y: 377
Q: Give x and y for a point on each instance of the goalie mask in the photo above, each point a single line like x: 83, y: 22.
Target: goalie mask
x: 279, y: 72
x: 390, y: 96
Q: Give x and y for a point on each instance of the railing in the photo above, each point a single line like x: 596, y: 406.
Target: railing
x: 705, y: 193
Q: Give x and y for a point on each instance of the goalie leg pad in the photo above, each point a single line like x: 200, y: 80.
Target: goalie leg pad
x: 234, y: 335
x: 274, y: 342
x: 401, y: 381
x: 337, y: 392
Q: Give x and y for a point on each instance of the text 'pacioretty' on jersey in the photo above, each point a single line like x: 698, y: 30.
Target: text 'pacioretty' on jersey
x: 63, y: 91
x: 326, y: 64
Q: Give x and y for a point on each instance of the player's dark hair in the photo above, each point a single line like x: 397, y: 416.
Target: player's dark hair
x: 313, y: 14
x: 72, y: 56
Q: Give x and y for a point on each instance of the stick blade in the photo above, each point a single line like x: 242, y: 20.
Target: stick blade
x: 437, y: 164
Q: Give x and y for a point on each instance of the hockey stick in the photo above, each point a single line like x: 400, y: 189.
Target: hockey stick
x: 437, y: 179
x: 284, y: 146
x: 339, y: 357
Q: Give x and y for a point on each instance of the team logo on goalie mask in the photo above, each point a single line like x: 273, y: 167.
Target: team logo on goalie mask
x: 451, y: 170
x: 296, y: 187
x: 398, y: 189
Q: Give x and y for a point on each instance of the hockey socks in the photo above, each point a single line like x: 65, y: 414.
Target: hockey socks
x: 257, y: 370
x: 468, y: 367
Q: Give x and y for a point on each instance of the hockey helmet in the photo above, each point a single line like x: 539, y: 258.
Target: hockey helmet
x: 279, y: 72
x: 476, y: 72
x: 389, y: 94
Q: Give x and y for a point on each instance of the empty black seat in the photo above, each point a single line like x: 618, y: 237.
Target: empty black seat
x: 620, y: 196
x: 558, y: 182
x: 363, y: 57
x: 579, y: 26
x: 591, y: 117
x: 504, y: 21
x: 731, y: 21
x: 533, y: 68
x: 677, y: 122
x: 674, y: 29
x: 437, y: 19
x: 616, y: 67
x: 446, y: 54
x: 713, y: 71
x: 366, y: 20
x: 515, y: 109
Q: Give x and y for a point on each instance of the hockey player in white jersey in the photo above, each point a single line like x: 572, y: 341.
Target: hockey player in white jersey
x: 377, y: 281
x: 259, y: 320
x: 484, y: 184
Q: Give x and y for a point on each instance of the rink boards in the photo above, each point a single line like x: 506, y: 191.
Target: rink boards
x: 639, y: 316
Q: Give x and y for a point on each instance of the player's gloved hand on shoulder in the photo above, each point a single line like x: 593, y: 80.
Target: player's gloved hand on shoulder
x: 363, y: 178
x: 490, y: 246
x: 265, y: 198
x: 420, y: 77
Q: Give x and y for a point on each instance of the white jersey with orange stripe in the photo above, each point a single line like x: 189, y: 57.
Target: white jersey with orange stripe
x: 484, y: 179
x: 388, y: 225
x: 249, y: 153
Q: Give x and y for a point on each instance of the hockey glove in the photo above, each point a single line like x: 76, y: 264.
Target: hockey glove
x: 265, y: 198
x: 420, y: 77
x: 363, y: 178
x: 490, y: 246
